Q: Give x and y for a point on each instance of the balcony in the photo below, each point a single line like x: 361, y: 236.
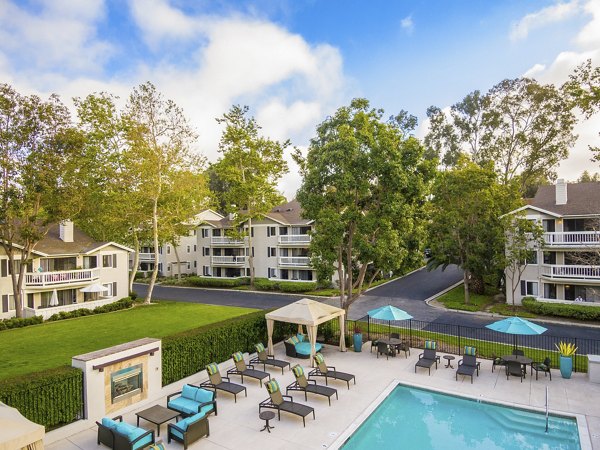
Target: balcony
x: 590, y: 273
x: 228, y: 260
x: 49, y: 311
x: 573, y: 239
x: 294, y: 261
x: 228, y: 241
x: 294, y: 239
x: 146, y: 257
x: 60, y: 278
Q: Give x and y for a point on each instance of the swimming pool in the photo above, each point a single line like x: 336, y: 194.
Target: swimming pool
x: 415, y: 418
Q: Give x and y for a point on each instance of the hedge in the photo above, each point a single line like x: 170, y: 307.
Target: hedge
x: 187, y: 353
x: 51, y: 398
x: 580, y: 312
x: 196, y: 281
x: 19, y: 322
x: 264, y: 284
x: 124, y: 303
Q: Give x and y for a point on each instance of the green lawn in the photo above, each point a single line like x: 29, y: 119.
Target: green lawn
x: 52, y: 344
x: 455, y: 299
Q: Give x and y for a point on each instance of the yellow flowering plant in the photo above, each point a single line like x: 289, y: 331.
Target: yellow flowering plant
x: 566, y: 348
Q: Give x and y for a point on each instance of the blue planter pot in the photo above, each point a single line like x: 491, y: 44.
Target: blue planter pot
x: 566, y: 366
x: 357, y: 342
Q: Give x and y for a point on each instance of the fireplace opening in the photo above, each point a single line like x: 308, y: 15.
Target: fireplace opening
x: 126, y: 383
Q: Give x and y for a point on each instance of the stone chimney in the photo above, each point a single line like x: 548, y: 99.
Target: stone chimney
x: 65, y: 231
x: 561, y: 192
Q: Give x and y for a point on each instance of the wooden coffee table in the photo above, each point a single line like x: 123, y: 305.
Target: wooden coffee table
x: 157, y: 415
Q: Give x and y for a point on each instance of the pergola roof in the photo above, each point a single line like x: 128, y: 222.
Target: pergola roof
x: 18, y: 431
x: 306, y: 312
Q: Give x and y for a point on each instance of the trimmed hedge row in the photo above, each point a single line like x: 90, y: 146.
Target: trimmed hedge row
x: 196, y: 281
x: 580, y: 312
x: 124, y: 303
x: 264, y: 284
x: 51, y: 398
x: 261, y: 284
x: 19, y: 322
x: 187, y: 353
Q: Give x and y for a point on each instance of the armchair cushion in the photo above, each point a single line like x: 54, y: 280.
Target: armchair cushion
x: 185, y: 423
x: 184, y: 405
x: 203, y: 395
x: 206, y: 409
x: 109, y: 423
x: 300, y: 337
x: 189, y: 392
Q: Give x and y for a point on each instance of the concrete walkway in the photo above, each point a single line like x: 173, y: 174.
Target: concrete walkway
x: 237, y: 425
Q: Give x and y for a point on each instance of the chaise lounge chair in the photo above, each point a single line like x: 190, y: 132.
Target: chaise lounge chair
x: 284, y: 403
x: 428, y: 357
x: 268, y: 360
x: 246, y: 371
x: 469, y: 364
x: 309, y: 386
x: 323, y: 370
x: 216, y: 382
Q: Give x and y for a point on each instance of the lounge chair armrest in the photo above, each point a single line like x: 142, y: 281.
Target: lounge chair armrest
x: 119, y: 418
x: 311, y: 381
x: 478, y: 364
x: 172, y: 395
x: 141, y: 436
x: 460, y: 362
x: 331, y: 368
x: 421, y: 355
x: 250, y: 366
x: 290, y: 398
x: 226, y: 379
x: 233, y: 370
x: 270, y: 356
x: 437, y: 358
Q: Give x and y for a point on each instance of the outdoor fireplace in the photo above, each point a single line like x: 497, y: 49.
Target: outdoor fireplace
x: 126, y: 383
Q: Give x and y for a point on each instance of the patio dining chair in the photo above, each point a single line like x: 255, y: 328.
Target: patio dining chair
x: 518, y: 352
x: 385, y: 349
x: 514, y: 368
x: 542, y: 367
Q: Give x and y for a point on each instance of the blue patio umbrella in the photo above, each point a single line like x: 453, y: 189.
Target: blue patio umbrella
x: 389, y: 313
x: 516, y: 325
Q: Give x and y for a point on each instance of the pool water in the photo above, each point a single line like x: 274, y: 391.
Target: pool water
x: 412, y: 418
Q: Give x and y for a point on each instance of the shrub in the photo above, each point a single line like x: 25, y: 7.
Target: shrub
x: 133, y: 295
x: 264, y: 284
x: 124, y: 303
x: 51, y: 398
x: 19, y: 322
x: 139, y: 275
x: 580, y: 312
x: 186, y: 353
x: 291, y: 286
x: 214, y: 282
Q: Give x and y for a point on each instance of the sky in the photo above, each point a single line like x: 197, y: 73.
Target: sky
x: 294, y: 62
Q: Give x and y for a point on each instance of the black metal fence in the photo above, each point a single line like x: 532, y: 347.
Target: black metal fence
x: 453, y: 338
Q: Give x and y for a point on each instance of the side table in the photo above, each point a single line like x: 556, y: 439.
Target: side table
x: 449, y: 358
x: 266, y: 416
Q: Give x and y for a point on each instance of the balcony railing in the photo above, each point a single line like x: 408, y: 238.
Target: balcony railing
x: 62, y: 277
x: 224, y: 240
x: 580, y: 272
x: 146, y: 257
x: 49, y: 311
x: 228, y: 260
x: 573, y: 238
x: 294, y: 239
x: 301, y: 261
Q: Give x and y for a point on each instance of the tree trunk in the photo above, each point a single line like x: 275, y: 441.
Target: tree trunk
x: 178, y: 261
x: 341, y: 279
x: 17, y: 278
x: 155, y: 236
x: 250, y: 256
x: 136, y: 261
x: 477, y: 285
x: 466, y: 283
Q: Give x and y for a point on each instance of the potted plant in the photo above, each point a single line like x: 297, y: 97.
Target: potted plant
x: 357, y: 339
x: 566, y: 350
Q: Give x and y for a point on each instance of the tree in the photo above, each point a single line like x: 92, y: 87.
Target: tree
x: 524, y: 128
x: 250, y: 167
x: 364, y: 184
x: 158, y: 157
x: 586, y: 177
x: 39, y: 151
x: 523, y: 239
x: 465, y: 225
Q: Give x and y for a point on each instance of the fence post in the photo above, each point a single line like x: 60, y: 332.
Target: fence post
x: 575, y: 356
x: 368, y: 327
x: 459, y: 346
x: 410, y: 332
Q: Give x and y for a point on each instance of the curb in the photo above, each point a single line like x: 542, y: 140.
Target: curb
x: 487, y: 314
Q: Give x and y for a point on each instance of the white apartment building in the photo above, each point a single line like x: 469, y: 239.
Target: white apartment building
x: 63, y: 264
x: 567, y: 268
x: 280, y: 243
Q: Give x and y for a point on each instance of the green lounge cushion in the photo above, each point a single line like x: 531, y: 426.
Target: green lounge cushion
x: 184, y: 405
x: 203, y: 396
x: 319, y: 358
x: 298, y: 371
x: 158, y: 446
x: 304, y: 348
x: 430, y: 345
x: 294, y: 340
x: 189, y: 392
x: 237, y: 356
x: 212, y: 368
x: 109, y: 423
x: 259, y: 348
x: 543, y: 366
x: 272, y: 386
x: 471, y: 351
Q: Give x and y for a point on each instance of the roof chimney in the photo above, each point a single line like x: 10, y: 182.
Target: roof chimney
x: 65, y: 231
x: 561, y: 192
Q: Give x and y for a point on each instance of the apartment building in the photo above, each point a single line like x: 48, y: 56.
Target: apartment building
x: 567, y: 268
x: 280, y: 243
x: 68, y: 271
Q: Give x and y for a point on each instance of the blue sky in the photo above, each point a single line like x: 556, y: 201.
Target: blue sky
x: 294, y: 62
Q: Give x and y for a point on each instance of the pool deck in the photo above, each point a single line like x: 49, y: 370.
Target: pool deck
x: 237, y: 425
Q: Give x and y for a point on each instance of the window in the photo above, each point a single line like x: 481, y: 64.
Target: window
x: 549, y: 225
x: 111, y: 289
x: 168, y: 267
x: 206, y: 271
x: 252, y: 231
x: 189, y: 265
x: 205, y: 251
x: 273, y: 251
x: 109, y: 261
x: 195, y: 248
x: 205, y: 232
x: 216, y: 232
x: 4, y: 268
x: 268, y: 252
x: 272, y: 272
x: 160, y: 250
x: 550, y: 291
x: 549, y: 258
x: 168, y: 249
x: 195, y: 264
x: 188, y: 248
x: 271, y: 231
x: 532, y: 259
x: 283, y: 231
x: 90, y: 262
x: 529, y: 288
x: 160, y: 267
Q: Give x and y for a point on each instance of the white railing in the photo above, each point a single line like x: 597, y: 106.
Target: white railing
x: 229, y: 260
x: 563, y: 271
x: 47, y: 312
x: 224, y: 240
x: 294, y: 261
x: 146, y: 257
x: 42, y: 279
x: 573, y: 238
x: 294, y: 239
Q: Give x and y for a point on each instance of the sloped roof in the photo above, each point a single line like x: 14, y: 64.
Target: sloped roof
x: 289, y: 213
x: 52, y: 244
x: 582, y: 199
x: 305, y: 312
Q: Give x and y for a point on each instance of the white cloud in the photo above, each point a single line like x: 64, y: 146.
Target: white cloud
x: 551, y: 14
x: 407, y: 24
x: 589, y: 36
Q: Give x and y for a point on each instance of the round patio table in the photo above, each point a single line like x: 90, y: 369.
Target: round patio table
x: 266, y: 416
x: 523, y: 360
